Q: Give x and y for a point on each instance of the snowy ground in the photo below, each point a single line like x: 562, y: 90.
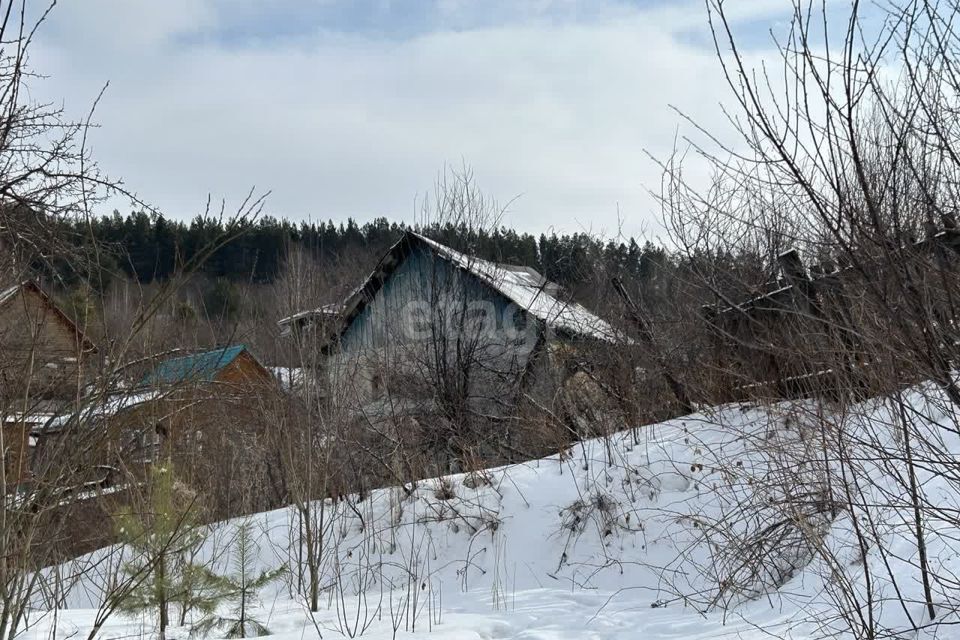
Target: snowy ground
x: 615, y: 539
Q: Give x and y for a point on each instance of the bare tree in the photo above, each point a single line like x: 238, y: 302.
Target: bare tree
x: 52, y: 493
x: 843, y: 159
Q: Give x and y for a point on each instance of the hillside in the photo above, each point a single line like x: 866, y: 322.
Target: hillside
x: 673, y: 530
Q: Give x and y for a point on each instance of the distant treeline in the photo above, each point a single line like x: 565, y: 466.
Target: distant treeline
x: 150, y: 247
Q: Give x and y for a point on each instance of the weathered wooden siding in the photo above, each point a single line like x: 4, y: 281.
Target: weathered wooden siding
x: 219, y: 435
x: 39, y: 350
x: 245, y: 370
x: 414, y: 320
x: 13, y: 449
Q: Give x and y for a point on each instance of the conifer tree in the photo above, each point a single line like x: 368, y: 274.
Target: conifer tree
x: 241, y: 589
x: 163, y: 535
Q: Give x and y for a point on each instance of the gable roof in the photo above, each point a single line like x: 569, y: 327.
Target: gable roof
x: 196, y: 367
x: 9, y: 294
x: 523, y: 286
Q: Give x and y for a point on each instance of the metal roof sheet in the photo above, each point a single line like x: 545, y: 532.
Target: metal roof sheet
x: 197, y: 367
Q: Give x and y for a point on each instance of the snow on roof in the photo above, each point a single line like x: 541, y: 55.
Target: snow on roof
x: 68, y: 495
x: 329, y: 310
x: 48, y: 423
x: 522, y: 285
x: 119, y: 402
x: 530, y: 291
x: 9, y: 293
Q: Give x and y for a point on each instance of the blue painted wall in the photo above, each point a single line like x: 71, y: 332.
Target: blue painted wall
x: 426, y: 292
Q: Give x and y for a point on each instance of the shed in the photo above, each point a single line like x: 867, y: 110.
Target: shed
x: 233, y: 364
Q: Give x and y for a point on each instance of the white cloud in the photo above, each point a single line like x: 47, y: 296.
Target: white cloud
x: 558, y: 112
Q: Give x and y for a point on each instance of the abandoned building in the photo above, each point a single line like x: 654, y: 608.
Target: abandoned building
x: 207, y: 412
x: 43, y: 350
x: 436, y: 330
x: 312, y: 320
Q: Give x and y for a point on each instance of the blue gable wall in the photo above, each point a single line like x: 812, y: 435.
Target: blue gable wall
x: 379, y: 341
x: 420, y: 279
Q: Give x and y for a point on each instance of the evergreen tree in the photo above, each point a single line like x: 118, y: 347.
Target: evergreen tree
x: 80, y: 306
x: 149, y: 247
x: 222, y: 301
x: 165, y: 537
x: 241, y: 589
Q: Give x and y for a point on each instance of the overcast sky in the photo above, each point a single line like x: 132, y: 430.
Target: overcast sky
x: 351, y: 107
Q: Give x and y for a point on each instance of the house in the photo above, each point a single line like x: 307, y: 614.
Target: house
x: 42, y: 350
x: 434, y: 330
x: 44, y: 358
x: 231, y: 366
x: 211, y: 413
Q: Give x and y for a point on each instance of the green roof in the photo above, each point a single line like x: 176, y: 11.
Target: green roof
x: 197, y: 367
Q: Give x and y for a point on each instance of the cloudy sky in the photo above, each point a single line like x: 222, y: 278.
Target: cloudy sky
x: 351, y: 107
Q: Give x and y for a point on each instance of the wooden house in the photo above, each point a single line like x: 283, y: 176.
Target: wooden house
x: 44, y: 359
x: 228, y: 367
x: 210, y: 412
x: 42, y: 350
x: 318, y: 322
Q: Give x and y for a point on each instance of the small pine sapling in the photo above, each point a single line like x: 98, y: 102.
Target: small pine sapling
x: 241, y: 589
x: 164, y: 537
x: 199, y: 589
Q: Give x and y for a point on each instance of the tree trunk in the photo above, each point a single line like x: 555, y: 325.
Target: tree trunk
x: 162, y: 597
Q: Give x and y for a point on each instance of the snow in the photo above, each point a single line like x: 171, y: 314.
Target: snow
x: 618, y: 538
x: 532, y: 292
x: 328, y: 310
x: 290, y: 378
x: 110, y: 405
x: 80, y: 493
x: 9, y: 293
